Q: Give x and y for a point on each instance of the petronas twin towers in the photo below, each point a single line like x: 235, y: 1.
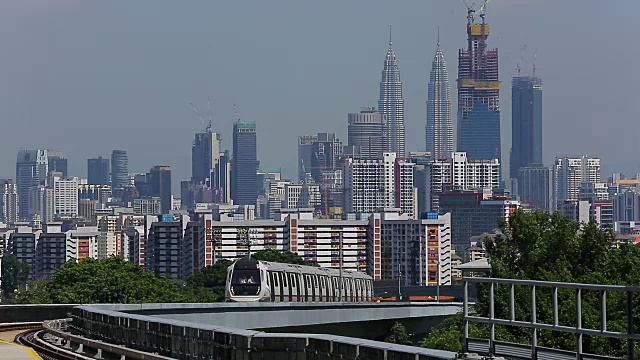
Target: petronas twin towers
x: 439, y: 129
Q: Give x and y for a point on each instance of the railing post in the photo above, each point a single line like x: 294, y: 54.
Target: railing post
x: 534, y: 332
x: 630, y: 329
x: 512, y: 301
x: 579, y: 323
x: 465, y: 314
x: 492, y: 335
x: 603, y: 310
x: 555, y: 306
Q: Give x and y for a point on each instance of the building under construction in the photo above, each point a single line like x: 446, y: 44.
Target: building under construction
x: 478, y: 93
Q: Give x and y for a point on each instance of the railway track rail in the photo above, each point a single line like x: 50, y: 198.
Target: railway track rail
x: 30, y: 335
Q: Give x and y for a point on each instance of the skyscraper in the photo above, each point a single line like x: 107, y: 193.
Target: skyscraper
x: 98, y: 171
x: 57, y: 162
x: 526, y: 123
x: 244, y: 190
x: 8, y: 201
x: 305, y: 154
x: 159, y: 178
x: 439, y: 130
x: 534, y: 186
x: 119, y: 169
x: 31, y: 171
x: 570, y: 172
x: 205, y: 154
x: 366, y: 131
x: 391, y: 103
x: 478, y: 95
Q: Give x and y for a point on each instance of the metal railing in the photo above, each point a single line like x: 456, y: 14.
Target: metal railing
x: 498, y: 348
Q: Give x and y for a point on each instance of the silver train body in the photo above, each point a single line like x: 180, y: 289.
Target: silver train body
x: 253, y: 280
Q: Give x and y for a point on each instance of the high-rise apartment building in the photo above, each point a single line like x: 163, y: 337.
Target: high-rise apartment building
x: 391, y: 103
x: 375, y: 185
x: 65, y: 193
x: 570, y: 172
x: 119, y: 169
x: 8, y: 201
x: 31, y: 171
x: 457, y: 172
x: 526, y: 123
x: 366, y: 132
x: 57, y: 162
x: 205, y: 154
x: 98, y: 171
x: 439, y: 130
x: 244, y: 190
x: 478, y: 95
x: 160, y: 180
x: 222, y: 179
x: 534, y: 186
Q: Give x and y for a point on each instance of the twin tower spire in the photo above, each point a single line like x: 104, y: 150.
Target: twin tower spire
x: 439, y: 130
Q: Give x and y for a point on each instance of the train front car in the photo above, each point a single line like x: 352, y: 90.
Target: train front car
x: 245, y: 281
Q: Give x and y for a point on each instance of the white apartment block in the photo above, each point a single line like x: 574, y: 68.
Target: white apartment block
x: 373, y: 185
x: 301, y: 196
x: 147, y: 206
x: 569, y: 173
x: 65, y: 193
x: 460, y: 173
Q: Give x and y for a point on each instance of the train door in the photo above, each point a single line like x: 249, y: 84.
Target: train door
x: 308, y: 296
x: 274, y: 285
x: 336, y: 289
x: 293, y: 285
x: 286, y: 287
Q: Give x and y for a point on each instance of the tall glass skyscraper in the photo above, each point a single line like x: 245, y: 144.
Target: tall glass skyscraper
x: 31, y: 171
x: 205, y: 154
x: 526, y: 123
x: 439, y: 130
x: 244, y: 168
x: 478, y: 95
x: 119, y: 169
x: 391, y: 103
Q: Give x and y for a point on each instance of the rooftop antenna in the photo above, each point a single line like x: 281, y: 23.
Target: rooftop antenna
x: 210, y: 114
x: 390, y: 35
x: 198, y: 113
x: 235, y: 113
x: 438, y: 35
x: 521, y: 58
x: 535, y: 54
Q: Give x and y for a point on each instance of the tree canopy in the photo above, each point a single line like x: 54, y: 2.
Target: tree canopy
x: 541, y: 246
x: 14, y: 274
x: 103, y: 281
x: 286, y: 257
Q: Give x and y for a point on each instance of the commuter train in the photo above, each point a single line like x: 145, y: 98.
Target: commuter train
x: 253, y: 280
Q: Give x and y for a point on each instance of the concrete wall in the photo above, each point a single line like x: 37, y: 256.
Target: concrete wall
x: 34, y: 313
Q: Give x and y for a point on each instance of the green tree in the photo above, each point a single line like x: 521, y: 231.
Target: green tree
x: 112, y: 281
x: 286, y: 257
x: 398, y: 335
x: 208, y: 284
x: 540, y: 246
x: 14, y: 274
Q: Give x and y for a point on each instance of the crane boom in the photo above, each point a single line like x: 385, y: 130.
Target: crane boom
x: 198, y: 113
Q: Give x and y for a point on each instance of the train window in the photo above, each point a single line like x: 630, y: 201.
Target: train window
x: 284, y: 279
x: 275, y: 279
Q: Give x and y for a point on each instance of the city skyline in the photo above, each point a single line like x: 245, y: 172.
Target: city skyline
x: 99, y: 104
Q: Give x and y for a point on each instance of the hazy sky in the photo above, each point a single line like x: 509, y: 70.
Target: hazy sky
x: 86, y: 77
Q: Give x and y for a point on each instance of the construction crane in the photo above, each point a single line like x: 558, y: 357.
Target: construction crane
x: 483, y: 9
x: 471, y: 11
x: 195, y: 109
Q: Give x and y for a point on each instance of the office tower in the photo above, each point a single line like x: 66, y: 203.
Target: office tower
x: 31, y: 171
x: 474, y: 213
x: 326, y: 156
x: 570, y: 172
x: 391, y: 103
x: 526, y: 123
x: 222, y: 179
x: 478, y: 95
x: 245, y: 163
x: 371, y: 185
x: 98, y: 171
x: 65, y: 194
x: 366, y: 132
x: 159, y: 178
x: 57, y: 162
x: 205, y: 154
x: 8, y: 201
x: 119, y: 169
x: 305, y: 154
x: 534, y: 184
x: 439, y: 130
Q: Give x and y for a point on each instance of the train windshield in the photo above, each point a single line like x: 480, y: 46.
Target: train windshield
x: 245, y: 281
